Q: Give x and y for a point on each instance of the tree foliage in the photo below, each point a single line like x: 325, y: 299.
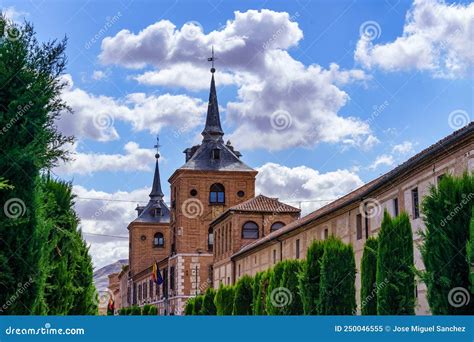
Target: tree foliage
x: 289, y: 296
x: 243, y: 296
x: 208, y: 306
x: 189, y: 307
x: 275, y: 277
x: 337, y: 286
x: 395, y: 269
x: 310, y: 277
x: 224, y: 300
x: 368, y: 290
x: 447, y: 213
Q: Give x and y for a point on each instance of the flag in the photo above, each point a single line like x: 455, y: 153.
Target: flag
x: 156, y: 275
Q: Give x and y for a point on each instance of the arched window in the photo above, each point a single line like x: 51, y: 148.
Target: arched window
x: 159, y: 240
x: 210, y: 239
x: 217, y: 193
x: 276, y: 226
x: 250, y: 230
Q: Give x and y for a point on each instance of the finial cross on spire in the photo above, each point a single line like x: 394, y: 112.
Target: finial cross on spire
x: 157, y: 146
x: 212, y: 59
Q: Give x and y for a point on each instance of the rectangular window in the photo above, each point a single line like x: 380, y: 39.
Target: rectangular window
x: 367, y: 222
x: 157, y: 291
x: 140, y: 292
x: 145, y: 292
x: 165, y: 283
x: 255, y: 260
x: 326, y: 233
x: 213, y: 197
x: 239, y: 270
x: 220, y: 197
x: 395, y: 206
x: 228, y: 280
x: 274, y: 256
x: 297, y: 248
x: 151, y: 288
x: 172, y: 278
x: 359, y: 226
x: 134, y: 294
x: 415, y: 203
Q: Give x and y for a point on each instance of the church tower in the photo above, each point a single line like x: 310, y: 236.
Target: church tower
x: 149, y: 235
x: 212, y: 180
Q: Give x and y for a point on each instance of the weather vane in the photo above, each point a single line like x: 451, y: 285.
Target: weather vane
x: 157, y: 146
x: 212, y: 59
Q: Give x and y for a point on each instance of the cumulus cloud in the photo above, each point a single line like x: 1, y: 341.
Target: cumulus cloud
x: 13, y: 14
x: 94, y: 116
x: 281, y: 103
x: 403, y: 148
x: 302, y: 183
x: 107, y: 217
x: 436, y: 38
x: 134, y: 159
x: 98, y: 75
x: 384, y: 159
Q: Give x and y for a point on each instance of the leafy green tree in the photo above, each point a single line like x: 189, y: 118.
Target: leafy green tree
x: 30, y: 103
x: 256, y: 291
x: 275, y: 277
x: 259, y: 305
x: 189, y: 307
x: 368, y: 290
x: 145, y: 310
x: 337, y: 287
x: 224, y: 300
x: 243, y: 296
x: 447, y: 213
x: 153, y: 311
x: 198, y: 300
x: 208, y: 306
x: 395, y: 269
x: 288, y: 297
x: 135, y: 310
x: 309, y: 278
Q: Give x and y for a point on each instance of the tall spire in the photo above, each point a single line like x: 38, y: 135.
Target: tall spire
x: 213, y: 129
x: 156, y: 192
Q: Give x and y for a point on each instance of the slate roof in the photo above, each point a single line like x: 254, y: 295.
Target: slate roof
x: 441, y: 146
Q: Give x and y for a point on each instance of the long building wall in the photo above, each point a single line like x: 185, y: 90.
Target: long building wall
x: 343, y: 222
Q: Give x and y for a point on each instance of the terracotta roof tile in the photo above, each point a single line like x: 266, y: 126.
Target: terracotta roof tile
x: 263, y: 203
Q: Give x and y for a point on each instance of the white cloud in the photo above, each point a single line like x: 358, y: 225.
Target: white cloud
x: 134, y: 159
x: 13, y: 14
x: 251, y: 51
x: 403, y: 148
x: 98, y: 75
x: 107, y: 218
x: 302, y: 183
x: 94, y: 116
x: 436, y: 38
x: 383, y: 159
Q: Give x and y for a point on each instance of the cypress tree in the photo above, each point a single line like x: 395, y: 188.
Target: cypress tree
x: 243, y: 296
x: 256, y: 292
x: 395, y: 269
x: 470, y: 252
x: 447, y: 213
x: 309, y: 278
x: 208, y: 306
x: 275, y: 276
x: 197, y: 305
x: 189, y: 307
x: 260, y: 305
x: 337, y: 287
x: 288, y: 297
x: 368, y: 290
x: 30, y: 103
x: 224, y: 300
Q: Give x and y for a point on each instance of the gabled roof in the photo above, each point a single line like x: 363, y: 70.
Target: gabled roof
x: 263, y: 203
x: 259, y: 204
x: 444, y: 145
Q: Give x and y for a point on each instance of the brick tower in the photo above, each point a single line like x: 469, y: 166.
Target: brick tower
x: 212, y: 180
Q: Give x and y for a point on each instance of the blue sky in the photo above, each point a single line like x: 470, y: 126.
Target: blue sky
x: 403, y: 80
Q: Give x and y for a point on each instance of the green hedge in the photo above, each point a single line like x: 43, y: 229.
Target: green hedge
x: 208, y: 306
x: 290, y: 299
x: 275, y: 276
x: 395, y: 269
x: 243, y: 296
x: 189, y: 307
x: 337, y: 286
x: 224, y: 300
x: 368, y: 290
x: 310, y: 277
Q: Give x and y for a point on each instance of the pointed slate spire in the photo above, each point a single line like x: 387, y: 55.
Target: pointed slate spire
x: 156, y: 192
x: 213, y: 129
